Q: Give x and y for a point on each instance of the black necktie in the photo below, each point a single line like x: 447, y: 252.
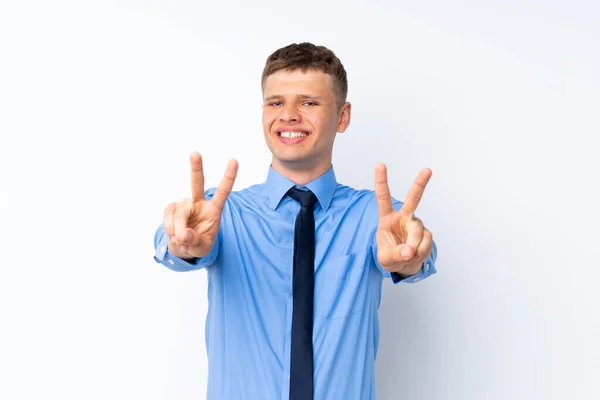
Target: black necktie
x: 301, y: 363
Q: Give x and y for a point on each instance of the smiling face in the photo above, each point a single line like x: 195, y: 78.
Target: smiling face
x: 301, y: 118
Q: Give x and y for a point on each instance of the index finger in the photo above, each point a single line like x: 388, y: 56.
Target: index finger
x: 382, y: 190
x: 197, y: 178
x: 416, y: 192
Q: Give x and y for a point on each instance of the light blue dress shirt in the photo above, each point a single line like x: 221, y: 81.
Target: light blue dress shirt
x: 249, y: 321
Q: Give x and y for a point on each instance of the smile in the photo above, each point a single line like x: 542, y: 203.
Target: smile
x: 292, y: 135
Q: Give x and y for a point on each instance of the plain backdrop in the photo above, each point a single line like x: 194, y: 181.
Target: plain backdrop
x: 101, y: 103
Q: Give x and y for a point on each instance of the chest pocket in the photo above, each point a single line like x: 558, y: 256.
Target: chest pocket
x: 342, y: 284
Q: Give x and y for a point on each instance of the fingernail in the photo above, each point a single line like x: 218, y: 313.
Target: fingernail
x: 405, y: 252
x: 183, y: 249
x: 188, y: 237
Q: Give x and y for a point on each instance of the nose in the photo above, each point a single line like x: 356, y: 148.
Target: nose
x: 289, y: 113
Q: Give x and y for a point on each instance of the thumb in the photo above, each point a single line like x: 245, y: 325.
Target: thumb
x: 385, y: 255
x: 189, y: 239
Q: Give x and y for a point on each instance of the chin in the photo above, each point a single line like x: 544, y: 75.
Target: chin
x: 291, y: 160
x: 296, y: 162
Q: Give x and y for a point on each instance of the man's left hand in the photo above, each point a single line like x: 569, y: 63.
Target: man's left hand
x: 403, y: 242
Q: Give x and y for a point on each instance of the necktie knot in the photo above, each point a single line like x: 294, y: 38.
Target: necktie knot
x: 305, y: 197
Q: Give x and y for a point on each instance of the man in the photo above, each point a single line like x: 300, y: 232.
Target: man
x: 295, y: 264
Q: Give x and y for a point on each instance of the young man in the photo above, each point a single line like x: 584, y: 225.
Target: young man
x: 295, y: 264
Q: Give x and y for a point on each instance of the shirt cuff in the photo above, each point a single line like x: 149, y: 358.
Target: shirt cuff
x: 421, y: 274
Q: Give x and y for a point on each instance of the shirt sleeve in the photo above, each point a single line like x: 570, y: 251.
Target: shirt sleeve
x: 427, y: 269
x: 164, y: 257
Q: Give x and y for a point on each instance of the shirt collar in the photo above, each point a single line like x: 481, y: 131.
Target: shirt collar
x: 278, y: 185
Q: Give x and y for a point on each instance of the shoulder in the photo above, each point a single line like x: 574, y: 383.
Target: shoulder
x: 352, y: 196
x: 249, y: 195
x: 364, y: 198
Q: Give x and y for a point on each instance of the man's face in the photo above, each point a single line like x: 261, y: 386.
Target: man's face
x: 301, y: 118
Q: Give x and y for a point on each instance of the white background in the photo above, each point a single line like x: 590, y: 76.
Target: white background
x: 102, y: 102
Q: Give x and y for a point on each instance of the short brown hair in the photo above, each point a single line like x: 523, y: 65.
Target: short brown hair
x: 306, y: 56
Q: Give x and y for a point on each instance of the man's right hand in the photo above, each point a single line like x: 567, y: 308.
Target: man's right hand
x: 192, y: 225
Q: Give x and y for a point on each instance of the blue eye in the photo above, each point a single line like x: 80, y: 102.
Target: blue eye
x: 276, y: 103
x: 310, y: 103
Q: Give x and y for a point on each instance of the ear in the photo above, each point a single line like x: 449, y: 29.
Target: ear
x: 344, y: 117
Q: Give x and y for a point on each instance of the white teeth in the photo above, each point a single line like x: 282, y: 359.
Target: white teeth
x: 293, y: 135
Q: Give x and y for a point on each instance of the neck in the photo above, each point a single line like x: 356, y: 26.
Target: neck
x: 301, y: 175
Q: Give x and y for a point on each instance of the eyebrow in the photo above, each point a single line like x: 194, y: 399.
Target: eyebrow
x: 304, y: 96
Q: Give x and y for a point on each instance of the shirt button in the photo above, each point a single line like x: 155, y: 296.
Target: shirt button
x: 171, y: 262
x: 426, y: 267
x: 162, y: 249
x: 416, y: 279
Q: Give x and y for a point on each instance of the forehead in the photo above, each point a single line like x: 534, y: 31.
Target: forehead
x: 285, y: 82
